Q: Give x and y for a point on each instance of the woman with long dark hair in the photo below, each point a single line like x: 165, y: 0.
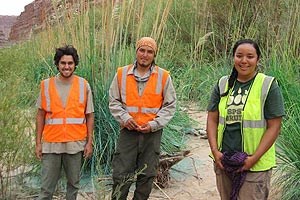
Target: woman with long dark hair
x: 244, y: 119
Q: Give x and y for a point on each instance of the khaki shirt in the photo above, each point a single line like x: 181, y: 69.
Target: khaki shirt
x: 166, y: 111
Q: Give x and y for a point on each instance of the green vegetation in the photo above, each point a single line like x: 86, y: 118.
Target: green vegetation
x: 288, y: 172
x: 194, y: 38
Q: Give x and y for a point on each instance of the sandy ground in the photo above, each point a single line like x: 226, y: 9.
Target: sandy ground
x: 198, y: 183
x: 193, y: 177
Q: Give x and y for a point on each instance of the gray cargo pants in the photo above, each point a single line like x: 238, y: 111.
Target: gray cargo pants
x: 51, y: 173
x: 136, y: 160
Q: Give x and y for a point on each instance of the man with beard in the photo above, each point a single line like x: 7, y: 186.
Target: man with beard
x: 64, y: 125
x: 143, y: 100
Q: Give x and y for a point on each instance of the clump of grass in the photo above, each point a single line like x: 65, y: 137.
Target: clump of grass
x: 288, y: 170
x: 16, y: 131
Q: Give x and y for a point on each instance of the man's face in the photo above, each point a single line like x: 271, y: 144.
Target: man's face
x: 66, y: 66
x: 145, y: 56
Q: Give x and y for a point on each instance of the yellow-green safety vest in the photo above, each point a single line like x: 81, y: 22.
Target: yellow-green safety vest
x: 253, y: 124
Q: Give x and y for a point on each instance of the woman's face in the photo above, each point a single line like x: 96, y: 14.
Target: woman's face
x: 245, y: 61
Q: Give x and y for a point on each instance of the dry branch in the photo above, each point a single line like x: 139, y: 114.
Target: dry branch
x: 165, y: 163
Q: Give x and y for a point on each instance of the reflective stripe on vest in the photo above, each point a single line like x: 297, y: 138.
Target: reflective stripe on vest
x: 123, y: 83
x: 68, y: 121
x: 142, y: 112
x: 253, y: 121
x: 248, y: 123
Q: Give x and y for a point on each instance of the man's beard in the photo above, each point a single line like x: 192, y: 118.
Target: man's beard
x: 145, y: 65
x: 66, y: 76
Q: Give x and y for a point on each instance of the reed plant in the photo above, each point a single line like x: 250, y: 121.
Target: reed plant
x: 283, y: 66
x: 288, y: 171
x: 16, y: 128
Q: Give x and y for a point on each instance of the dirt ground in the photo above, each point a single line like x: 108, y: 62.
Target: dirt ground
x: 193, y: 177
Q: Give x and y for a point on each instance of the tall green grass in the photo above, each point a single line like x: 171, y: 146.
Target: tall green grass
x: 16, y: 127
x: 288, y: 170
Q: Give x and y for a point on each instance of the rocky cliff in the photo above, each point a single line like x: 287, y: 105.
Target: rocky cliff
x: 37, y: 15
x: 6, y: 23
x: 32, y: 19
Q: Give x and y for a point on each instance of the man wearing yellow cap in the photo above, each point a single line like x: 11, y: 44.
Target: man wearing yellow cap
x: 143, y: 100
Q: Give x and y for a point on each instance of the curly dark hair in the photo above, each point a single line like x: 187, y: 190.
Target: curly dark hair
x: 66, y: 50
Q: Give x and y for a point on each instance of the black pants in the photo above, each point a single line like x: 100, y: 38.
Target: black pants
x: 135, y: 160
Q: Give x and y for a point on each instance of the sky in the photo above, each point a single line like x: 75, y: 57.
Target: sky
x: 13, y: 7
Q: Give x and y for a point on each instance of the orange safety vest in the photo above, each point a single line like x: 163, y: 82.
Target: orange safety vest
x: 142, y: 108
x: 69, y: 123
